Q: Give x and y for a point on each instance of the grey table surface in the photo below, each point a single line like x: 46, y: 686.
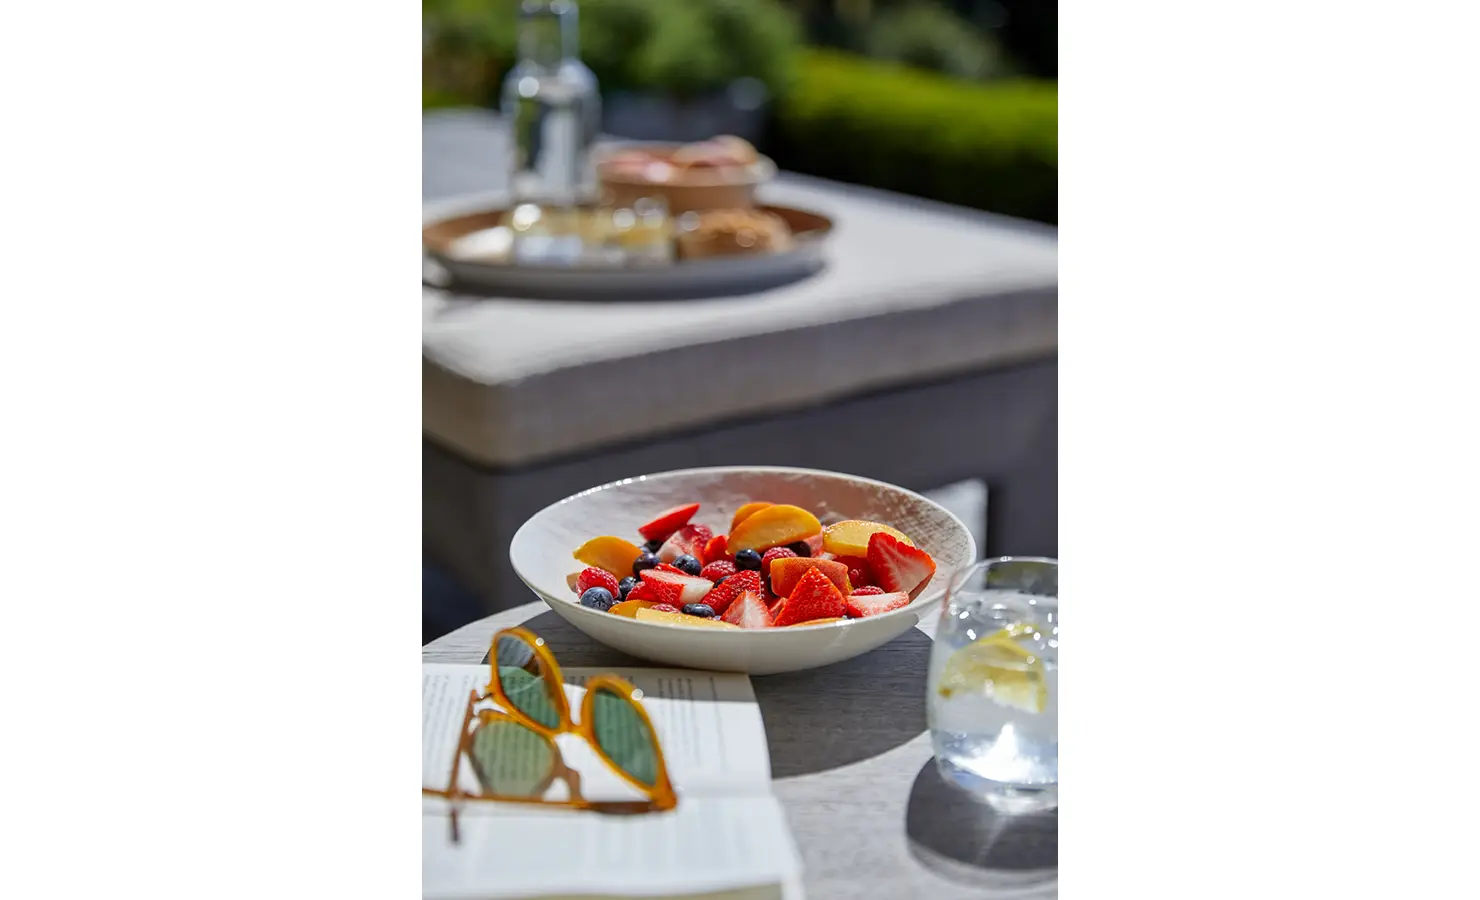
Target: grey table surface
x: 852, y: 766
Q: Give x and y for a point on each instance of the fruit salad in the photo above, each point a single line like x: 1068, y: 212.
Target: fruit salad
x: 777, y: 566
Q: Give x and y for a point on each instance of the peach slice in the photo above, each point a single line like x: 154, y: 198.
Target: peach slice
x: 746, y: 512
x: 629, y: 608
x: 610, y: 553
x: 772, y: 527
x: 850, y: 538
x: 671, y: 618
x: 787, y: 571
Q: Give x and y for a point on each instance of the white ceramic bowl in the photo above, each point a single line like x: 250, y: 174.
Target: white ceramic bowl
x: 541, y: 554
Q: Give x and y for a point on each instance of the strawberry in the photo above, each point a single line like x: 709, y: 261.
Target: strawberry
x: 815, y: 544
x: 668, y: 522
x: 591, y: 577
x: 859, y: 572
x: 716, y: 549
x: 722, y: 596
x: 718, y: 569
x: 773, y: 554
x: 689, y: 539
x: 677, y: 588
x: 897, y: 566
x: 644, y: 591
x: 664, y: 567
x: 859, y: 606
x: 868, y: 590
x: 748, y: 611
x: 814, y: 597
x: 785, y: 573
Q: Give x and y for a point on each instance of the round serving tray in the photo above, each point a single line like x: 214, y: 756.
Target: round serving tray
x: 456, y: 244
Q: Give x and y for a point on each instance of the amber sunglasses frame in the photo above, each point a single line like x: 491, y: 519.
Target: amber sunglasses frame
x: 660, y: 794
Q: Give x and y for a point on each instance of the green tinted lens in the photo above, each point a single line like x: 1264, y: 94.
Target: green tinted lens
x: 523, y: 680
x: 509, y: 760
x: 623, y: 735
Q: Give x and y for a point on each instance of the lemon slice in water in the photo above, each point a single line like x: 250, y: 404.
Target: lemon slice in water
x: 996, y: 665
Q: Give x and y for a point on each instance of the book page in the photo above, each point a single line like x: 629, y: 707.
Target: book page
x: 726, y: 840
x: 706, y: 846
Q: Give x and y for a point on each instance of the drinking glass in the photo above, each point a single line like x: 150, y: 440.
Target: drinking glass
x: 993, y: 695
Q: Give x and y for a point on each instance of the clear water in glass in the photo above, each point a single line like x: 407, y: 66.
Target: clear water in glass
x: 993, y: 685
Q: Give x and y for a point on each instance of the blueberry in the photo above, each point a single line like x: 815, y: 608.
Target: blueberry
x: 625, y: 586
x: 644, y: 561
x: 800, y: 548
x: 702, y: 610
x: 598, y: 598
x: 652, y: 546
x: 688, y: 565
x: 747, y: 559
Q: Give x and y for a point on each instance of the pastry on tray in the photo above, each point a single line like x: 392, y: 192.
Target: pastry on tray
x: 732, y: 232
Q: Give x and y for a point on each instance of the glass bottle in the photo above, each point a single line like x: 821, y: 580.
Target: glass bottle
x: 551, y: 103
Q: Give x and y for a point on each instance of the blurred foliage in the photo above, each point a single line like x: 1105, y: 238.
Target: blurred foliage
x: 677, y: 47
x: 932, y: 37
x: 992, y: 145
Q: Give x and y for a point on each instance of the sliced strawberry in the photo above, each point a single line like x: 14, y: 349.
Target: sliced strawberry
x: 644, y: 590
x: 785, y: 573
x: 678, y: 588
x: 814, y: 597
x: 591, y: 577
x: 716, y: 549
x: 689, y: 539
x: 859, y: 606
x: 723, y: 595
x: 748, y: 611
x: 664, y: 567
x: 868, y: 590
x: 859, y: 573
x: 668, y: 522
x: 774, y: 554
x: 718, y: 569
x: 897, y: 566
x: 815, y: 544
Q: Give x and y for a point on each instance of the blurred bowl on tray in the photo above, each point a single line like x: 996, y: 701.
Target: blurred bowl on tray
x: 720, y: 173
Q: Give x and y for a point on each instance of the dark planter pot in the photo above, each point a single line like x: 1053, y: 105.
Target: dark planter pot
x: 740, y: 110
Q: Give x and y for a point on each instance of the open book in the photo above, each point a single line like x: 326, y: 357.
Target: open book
x: 727, y: 838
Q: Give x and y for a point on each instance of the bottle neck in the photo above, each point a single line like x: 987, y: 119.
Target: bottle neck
x: 548, y: 32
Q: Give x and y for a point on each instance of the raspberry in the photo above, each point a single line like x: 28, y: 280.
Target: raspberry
x: 772, y: 554
x: 866, y: 591
x: 591, y: 577
x: 717, y: 570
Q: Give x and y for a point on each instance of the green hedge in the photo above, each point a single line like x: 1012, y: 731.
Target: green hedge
x: 993, y: 146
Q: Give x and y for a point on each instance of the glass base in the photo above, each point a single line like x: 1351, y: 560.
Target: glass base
x: 1012, y: 799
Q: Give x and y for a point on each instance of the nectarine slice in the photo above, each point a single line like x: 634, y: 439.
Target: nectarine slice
x: 746, y: 512
x: 772, y: 527
x: 850, y: 538
x: 610, y: 553
x: 787, y: 571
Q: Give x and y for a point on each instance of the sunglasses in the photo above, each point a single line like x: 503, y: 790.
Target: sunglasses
x: 509, y: 729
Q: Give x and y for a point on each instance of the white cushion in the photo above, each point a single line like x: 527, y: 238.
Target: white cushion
x: 913, y: 291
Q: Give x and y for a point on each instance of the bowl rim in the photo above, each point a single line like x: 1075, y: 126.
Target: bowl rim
x: 929, y: 596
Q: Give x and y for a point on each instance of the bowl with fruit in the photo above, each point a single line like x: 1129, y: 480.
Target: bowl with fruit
x: 745, y: 569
